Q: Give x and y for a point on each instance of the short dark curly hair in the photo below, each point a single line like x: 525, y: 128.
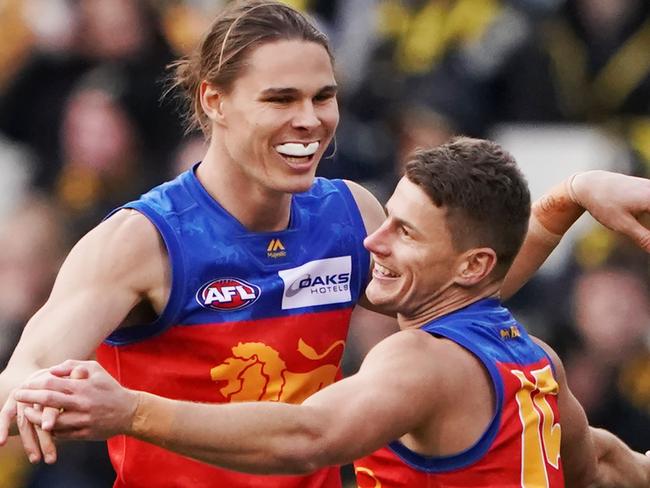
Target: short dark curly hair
x: 483, y: 191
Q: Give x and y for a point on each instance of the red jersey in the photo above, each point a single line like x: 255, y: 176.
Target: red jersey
x: 250, y: 317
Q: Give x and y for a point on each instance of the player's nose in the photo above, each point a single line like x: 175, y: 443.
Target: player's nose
x: 377, y: 242
x: 306, y: 116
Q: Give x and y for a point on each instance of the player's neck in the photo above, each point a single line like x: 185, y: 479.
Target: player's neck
x: 257, y: 208
x: 451, y: 300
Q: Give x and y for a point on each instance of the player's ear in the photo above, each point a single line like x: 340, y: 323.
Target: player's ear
x: 211, y: 102
x: 474, y: 265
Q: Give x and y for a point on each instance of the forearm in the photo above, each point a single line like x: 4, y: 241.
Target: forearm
x: 551, y: 216
x: 252, y: 437
x: 618, y: 465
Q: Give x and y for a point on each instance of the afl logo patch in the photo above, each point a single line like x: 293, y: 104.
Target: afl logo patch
x: 227, y: 294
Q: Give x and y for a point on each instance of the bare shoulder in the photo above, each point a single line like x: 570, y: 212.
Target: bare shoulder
x: 427, y: 359
x: 404, y: 349
x: 125, y: 247
x: 419, y: 342
x: 452, y: 386
x: 115, y: 267
x: 444, y: 383
x: 370, y: 208
x: 127, y: 226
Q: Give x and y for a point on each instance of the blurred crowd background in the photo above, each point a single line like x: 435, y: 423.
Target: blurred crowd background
x: 563, y: 84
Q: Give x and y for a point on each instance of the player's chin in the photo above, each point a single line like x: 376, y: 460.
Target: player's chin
x: 300, y: 183
x: 379, y: 297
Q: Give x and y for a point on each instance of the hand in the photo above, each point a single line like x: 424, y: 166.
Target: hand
x: 616, y: 201
x: 95, y: 406
x: 7, y: 417
x: 37, y: 443
x: 35, y: 435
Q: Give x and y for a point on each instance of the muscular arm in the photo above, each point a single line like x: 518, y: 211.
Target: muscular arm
x: 105, y: 275
x: 614, y: 200
x: 340, y: 423
x: 593, y: 457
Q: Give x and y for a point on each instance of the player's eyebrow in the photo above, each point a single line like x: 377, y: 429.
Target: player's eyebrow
x: 400, y: 221
x: 328, y: 90
x: 271, y: 92
x: 284, y: 91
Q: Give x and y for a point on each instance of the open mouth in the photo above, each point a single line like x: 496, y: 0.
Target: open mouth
x: 298, y: 155
x: 380, y: 271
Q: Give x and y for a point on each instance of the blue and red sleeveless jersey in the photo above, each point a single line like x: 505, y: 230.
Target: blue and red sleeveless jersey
x: 250, y: 317
x: 521, y: 446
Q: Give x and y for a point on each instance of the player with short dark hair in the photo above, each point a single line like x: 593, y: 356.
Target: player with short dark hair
x: 464, y: 189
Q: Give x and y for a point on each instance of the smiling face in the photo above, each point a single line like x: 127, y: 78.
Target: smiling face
x: 415, y: 260
x: 276, y: 122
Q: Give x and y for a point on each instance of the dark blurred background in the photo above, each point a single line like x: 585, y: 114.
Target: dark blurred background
x: 563, y: 84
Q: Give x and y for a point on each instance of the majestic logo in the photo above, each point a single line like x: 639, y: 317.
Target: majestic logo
x: 275, y: 249
x: 227, y: 294
x: 319, y: 282
x: 257, y: 372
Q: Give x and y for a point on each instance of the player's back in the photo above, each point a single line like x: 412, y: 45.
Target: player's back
x: 521, y: 445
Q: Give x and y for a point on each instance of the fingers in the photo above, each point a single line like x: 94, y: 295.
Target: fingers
x: 631, y: 227
x: 49, y: 417
x: 70, y: 422
x: 45, y: 439
x: 28, y: 435
x: 80, y: 373
x: 69, y: 425
x: 52, y: 391
x: 50, y: 382
x: 67, y: 367
x: 53, y: 399
x: 7, y: 416
x: 47, y: 445
x: 641, y: 236
x: 33, y: 414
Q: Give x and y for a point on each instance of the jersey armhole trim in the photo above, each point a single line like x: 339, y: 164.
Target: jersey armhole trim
x: 357, y: 222
x: 550, y: 361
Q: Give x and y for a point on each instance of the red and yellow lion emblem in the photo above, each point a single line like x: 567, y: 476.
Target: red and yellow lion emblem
x: 256, y: 372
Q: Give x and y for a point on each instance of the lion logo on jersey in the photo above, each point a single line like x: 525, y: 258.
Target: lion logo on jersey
x: 256, y: 372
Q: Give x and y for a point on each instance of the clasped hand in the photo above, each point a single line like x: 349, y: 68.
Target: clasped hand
x: 75, y: 400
